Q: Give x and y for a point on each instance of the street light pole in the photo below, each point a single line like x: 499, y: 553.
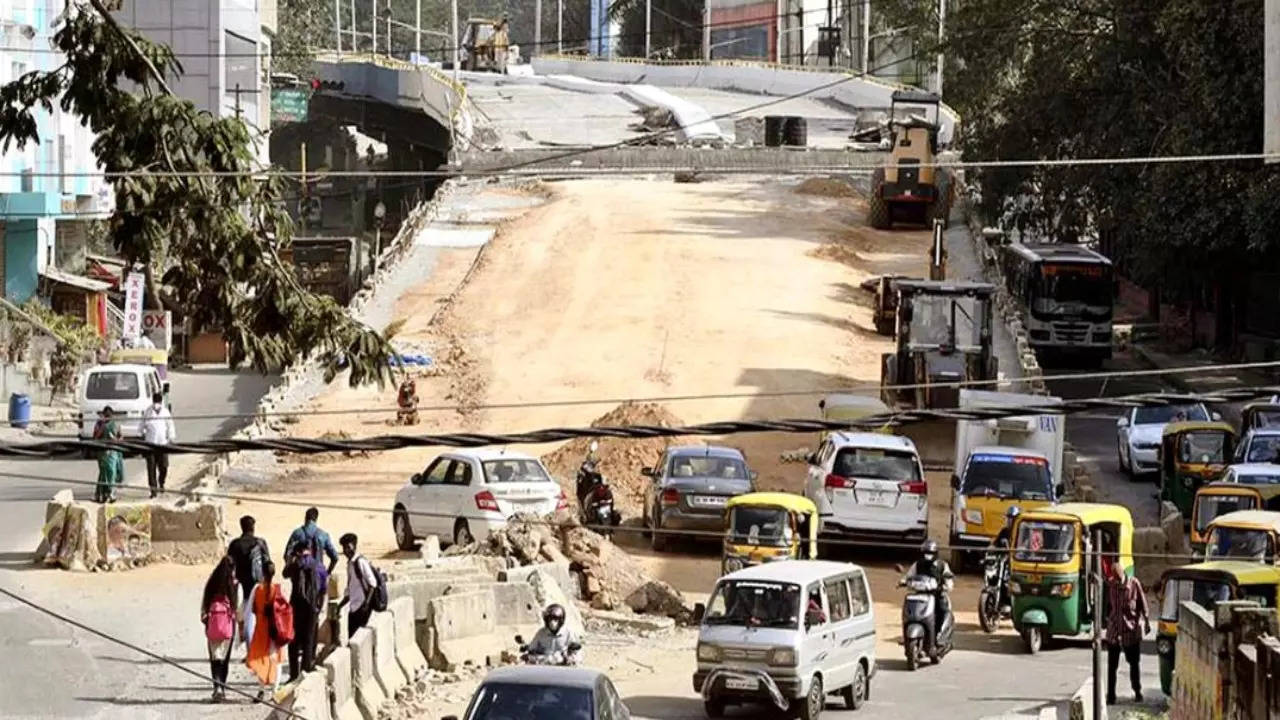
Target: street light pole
x: 537, y: 28
x: 866, y: 36
x: 417, y: 29
x: 354, y: 49
x: 373, y: 22
x: 454, y: 7
x: 706, y: 30
x: 337, y: 23
x: 648, y: 28
x: 559, y: 27
x: 942, y: 21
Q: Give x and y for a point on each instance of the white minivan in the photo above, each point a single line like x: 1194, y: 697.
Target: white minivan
x: 870, y: 485
x: 126, y: 389
x: 787, y: 634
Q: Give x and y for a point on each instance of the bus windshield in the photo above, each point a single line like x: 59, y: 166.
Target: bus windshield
x: 1076, y: 283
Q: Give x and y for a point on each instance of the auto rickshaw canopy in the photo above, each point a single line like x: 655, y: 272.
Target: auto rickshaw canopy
x: 1249, y: 520
x: 1087, y: 515
x: 1234, y: 572
x: 786, y: 501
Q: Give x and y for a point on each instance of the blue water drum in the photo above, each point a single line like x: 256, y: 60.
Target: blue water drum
x: 19, y: 411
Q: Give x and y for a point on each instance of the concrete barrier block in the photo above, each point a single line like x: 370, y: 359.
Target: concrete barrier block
x: 548, y: 592
x: 408, y: 653
x: 462, y: 629
x: 385, y: 666
x: 558, y: 571
x: 369, y: 694
x: 516, y: 604
x: 311, y: 697
x: 337, y: 669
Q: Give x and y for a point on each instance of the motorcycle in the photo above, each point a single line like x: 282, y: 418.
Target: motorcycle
x: 595, y: 497
x: 993, y: 603
x: 565, y: 659
x: 407, y: 403
x: 920, y: 637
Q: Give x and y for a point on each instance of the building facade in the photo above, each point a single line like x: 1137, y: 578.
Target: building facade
x: 48, y: 190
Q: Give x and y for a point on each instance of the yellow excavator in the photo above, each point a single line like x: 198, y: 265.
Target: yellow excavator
x: 485, y: 44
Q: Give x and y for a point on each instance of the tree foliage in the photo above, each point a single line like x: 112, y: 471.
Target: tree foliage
x: 189, y: 209
x: 1037, y: 79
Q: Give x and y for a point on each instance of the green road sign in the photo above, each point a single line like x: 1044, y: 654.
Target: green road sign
x: 289, y: 105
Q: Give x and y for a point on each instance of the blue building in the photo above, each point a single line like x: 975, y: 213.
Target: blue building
x: 48, y: 195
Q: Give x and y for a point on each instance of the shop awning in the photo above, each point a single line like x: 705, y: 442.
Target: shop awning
x: 75, y: 281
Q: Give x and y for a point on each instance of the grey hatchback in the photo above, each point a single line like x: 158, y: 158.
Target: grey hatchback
x: 543, y: 692
x: 690, y: 487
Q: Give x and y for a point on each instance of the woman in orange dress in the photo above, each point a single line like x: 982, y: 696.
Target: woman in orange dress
x: 263, y: 656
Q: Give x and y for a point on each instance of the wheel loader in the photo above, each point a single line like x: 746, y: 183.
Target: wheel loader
x: 943, y: 332
x: 908, y: 189
x: 485, y: 45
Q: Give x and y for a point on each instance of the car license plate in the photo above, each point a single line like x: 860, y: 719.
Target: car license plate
x: 878, y: 498
x: 741, y: 683
x: 709, y: 500
x: 842, y: 493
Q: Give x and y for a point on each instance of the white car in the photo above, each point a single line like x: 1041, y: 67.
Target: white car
x: 1259, y: 445
x: 1138, y: 434
x: 1252, y: 474
x: 869, y: 484
x: 465, y: 495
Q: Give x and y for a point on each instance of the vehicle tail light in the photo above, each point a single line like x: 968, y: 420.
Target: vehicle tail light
x: 914, y: 487
x: 670, y: 496
x: 839, y: 481
x: 601, y: 492
x: 562, y: 502
x: 486, y: 501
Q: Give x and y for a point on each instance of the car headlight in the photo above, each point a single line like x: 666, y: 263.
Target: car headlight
x: 973, y: 517
x: 1015, y: 587
x: 1186, y: 482
x: 782, y: 656
x: 708, y: 653
x: 1062, y: 590
x: 1164, y: 646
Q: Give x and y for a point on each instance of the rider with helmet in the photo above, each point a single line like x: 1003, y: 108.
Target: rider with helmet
x: 554, y: 643
x: 1001, y: 544
x: 931, y: 565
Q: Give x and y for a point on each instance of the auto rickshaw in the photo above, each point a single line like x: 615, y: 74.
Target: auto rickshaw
x: 1192, y: 454
x: 766, y: 526
x: 159, y: 359
x: 1207, y: 584
x: 1219, y: 498
x: 844, y: 407
x: 1259, y: 415
x: 1243, y: 535
x: 1049, y: 573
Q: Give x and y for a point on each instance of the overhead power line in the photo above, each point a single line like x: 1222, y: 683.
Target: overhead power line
x: 382, y: 443
x: 869, y: 389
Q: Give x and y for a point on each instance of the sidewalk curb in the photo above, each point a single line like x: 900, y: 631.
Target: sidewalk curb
x: 1082, y: 703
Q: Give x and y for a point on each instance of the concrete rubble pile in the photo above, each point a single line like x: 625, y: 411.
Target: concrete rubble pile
x: 608, y: 578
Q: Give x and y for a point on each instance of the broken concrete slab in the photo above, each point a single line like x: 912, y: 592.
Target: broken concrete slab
x: 559, y: 572
x: 408, y: 653
x: 462, y: 629
x: 337, y: 668
x: 369, y: 694
x: 311, y: 697
x: 385, y: 666
x: 628, y: 623
x: 547, y: 592
x: 430, y: 549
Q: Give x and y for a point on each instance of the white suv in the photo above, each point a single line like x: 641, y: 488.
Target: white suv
x: 462, y: 496
x: 869, y: 484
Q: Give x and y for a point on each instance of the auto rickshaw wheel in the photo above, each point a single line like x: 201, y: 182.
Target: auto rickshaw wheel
x: 1033, y: 638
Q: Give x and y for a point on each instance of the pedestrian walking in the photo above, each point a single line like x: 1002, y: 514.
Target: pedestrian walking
x: 360, y: 585
x: 110, y: 462
x: 307, y: 597
x: 265, y: 652
x: 1127, y: 622
x: 249, y: 553
x: 218, y: 615
x: 317, y: 540
x: 158, y: 429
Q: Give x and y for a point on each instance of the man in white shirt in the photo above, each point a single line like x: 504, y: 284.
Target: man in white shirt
x: 361, y: 583
x: 157, y: 428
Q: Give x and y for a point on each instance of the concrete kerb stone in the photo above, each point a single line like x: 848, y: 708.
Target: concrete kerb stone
x: 408, y: 653
x: 386, y: 669
x: 369, y: 694
x: 337, y: 668
x: 311, y: 697
x: 1082, y: 703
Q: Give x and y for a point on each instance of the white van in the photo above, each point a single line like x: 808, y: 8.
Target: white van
x: 787, y: 634
x: 126, y: 389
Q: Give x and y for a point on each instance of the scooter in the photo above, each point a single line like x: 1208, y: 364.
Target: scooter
x: 595, y: 497
x: 993, y: 605
x: 920, y: 637
x: 570, y: 658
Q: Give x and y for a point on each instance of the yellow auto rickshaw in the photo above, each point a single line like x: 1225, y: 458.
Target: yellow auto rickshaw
x: 845, y: 407
x: 1192, y: 454
x: 1219, y: 498
x: 1049, y: 572
x: 1243, y: 535
x: 766, y: 526
x: 1207, y: 584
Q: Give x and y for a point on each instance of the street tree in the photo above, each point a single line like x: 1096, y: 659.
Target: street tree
x: 191, y: 208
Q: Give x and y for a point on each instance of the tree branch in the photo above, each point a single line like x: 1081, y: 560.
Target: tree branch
x: 110, y: 20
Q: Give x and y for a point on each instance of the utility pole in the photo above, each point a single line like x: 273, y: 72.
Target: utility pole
x: 559, y: 27
x: 355, y: 49
x: 648, y: 28
x: 373, y: 23
x: 305, y: 206
x: 456, y: 39
x: 942, y: 21
x: 337, y: 23
x: 417, y: 30
x: 706, y: 30
x: 537, y: 28
x: 866, y: 37
x: 389, y: 48
x: 1097, y: 622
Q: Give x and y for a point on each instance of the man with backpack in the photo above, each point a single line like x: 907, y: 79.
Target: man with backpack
x: 249, y: 553
x: 366, y: 586
x: 307, y: 599
x: 315, y: 539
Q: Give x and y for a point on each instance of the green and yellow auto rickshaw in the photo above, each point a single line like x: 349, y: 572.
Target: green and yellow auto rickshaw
x: 1049, y: 573
x: 1221, y: 498
x: 1252, y: 535
x: 766, y: 526
x: 1207, y: 583
x: 1192, y: 454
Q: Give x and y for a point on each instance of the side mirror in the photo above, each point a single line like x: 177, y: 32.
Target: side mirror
x: 416, y: 479
x: 449, y: 717
x: 898, y: 567
x: 753, y: 475
x: 647, y: 472
x: 812, y: 458
x: 574, y: 647
x: 519, y: 639
x: 1122, y: 422
x: 699, y: 611
x: 1059, y: 490
x: 955, y: 482
x: 1217, y: 416
x: 595, y: 445
x: 822, y: 404
x: 165, y: 388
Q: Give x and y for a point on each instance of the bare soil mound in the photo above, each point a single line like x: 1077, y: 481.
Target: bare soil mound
x: 826, y: 187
